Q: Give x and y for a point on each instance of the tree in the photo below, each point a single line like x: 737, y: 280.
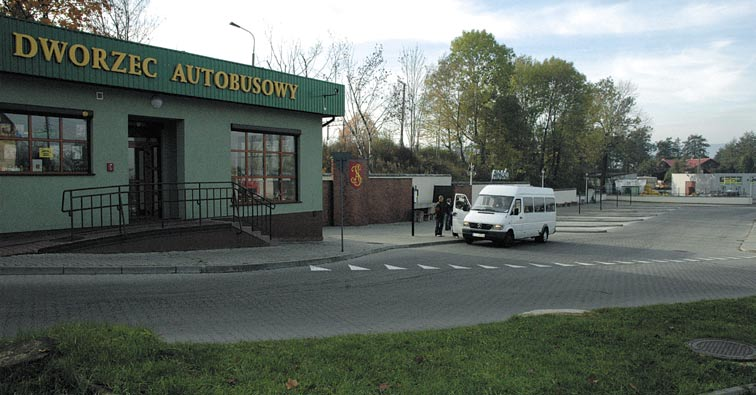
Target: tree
x: 69, y: 14
x: 738, y: 156
x: 125, y: 20
x: 695, y: 147
x: 668, y: 148
x: 366, y: 98
x: 554, y: 96
x: 413, y: 74
x: 616, y: 118
x: 464, y: 86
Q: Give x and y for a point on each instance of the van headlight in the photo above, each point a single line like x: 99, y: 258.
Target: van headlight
x: 498, y: 227
x: 466, y: 224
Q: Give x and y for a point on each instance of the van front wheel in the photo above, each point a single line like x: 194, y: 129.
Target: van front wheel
x: 544, y: 236
x: 508, y: 240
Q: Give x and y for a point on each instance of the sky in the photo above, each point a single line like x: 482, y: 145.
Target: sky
x: 693, y: 63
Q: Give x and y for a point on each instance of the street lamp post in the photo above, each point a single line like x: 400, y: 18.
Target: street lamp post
x: 586, y: 188
x: 253, y: 40
x: 543, y: 172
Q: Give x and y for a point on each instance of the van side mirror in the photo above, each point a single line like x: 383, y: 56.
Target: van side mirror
x: 466, y: 207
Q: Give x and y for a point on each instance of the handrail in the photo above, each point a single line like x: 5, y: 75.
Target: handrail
x: 115, y: 205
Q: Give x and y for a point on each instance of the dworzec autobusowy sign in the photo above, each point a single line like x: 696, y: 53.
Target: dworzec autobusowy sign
x: 45, y: 51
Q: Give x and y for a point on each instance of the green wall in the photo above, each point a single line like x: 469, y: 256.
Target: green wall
x: 32, y: 202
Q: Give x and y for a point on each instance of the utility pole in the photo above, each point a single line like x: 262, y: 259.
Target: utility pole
x: 401, y: 128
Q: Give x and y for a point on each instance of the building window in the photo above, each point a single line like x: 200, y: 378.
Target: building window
x: 265, y: 162
x: 42, y: 142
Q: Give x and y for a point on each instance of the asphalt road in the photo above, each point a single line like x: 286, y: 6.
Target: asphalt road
x: 690, y: 253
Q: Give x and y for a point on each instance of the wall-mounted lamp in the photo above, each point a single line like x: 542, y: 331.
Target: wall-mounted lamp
x: 156, y: 101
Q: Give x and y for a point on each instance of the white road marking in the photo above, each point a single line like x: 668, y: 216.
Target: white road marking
x: 690, y: 260
x: 676, y: 261
x: 585, y: 264
x: 659, y: 260
x: 357, y: 268
x: 639, y: 261
x: 605, y: 263
x: 562, y: 264
x: 707, y: 259
x: 488, y: 267
x: 514, y: 266
x: 459, y: 267
x: 625, y: 262
x: 314, y: 268
x: 537, y: 265
x: 389, y: 267
x: 428, y: 267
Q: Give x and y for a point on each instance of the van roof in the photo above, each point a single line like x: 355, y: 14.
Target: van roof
x: 514, y: 190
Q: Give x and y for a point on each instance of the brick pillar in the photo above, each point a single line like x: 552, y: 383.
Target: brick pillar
x: 356, y: 196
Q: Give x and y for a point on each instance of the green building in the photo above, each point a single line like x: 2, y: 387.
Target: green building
x: 102, y: 132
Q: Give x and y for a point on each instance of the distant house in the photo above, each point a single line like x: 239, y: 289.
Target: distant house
x: 707, y: 165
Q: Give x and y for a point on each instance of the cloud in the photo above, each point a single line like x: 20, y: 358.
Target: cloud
x: 592, y: 19
x: 691, y: 75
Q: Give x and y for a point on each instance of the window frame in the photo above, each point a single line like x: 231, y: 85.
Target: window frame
x: 265, y: 154
x: 62, y: 114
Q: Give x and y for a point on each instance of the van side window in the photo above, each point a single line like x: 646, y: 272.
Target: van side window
x: 517, y: 210
x: 550, y: 204
x: 540, y: 204
x: 528, y: 202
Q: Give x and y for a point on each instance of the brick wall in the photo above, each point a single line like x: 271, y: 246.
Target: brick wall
x: 375, y: 201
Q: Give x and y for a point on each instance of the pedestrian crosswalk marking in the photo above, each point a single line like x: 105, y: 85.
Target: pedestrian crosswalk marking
x: 316, y: 268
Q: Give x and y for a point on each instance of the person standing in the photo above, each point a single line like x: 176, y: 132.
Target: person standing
x: 440, y: 211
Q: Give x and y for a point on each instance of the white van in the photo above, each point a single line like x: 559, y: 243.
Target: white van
x: 504, y: 213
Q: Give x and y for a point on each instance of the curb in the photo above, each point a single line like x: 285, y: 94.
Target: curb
x: 213, y: 269
x: 748, y: 240
x: 748, y: 389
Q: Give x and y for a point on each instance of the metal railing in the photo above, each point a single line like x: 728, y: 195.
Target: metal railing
x: 167, y: 203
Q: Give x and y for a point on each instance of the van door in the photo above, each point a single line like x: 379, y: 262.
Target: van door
x: 459, y: 212
x: 516, y: 219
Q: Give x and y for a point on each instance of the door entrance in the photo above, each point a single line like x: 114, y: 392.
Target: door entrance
x: 144, y: 170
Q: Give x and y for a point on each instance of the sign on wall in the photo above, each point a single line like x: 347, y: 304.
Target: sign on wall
x: 356, y: 174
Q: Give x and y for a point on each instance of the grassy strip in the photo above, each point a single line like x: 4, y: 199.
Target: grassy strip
x: 609, y: 351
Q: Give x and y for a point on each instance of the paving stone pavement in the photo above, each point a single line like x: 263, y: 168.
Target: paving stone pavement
x: 357, y: 241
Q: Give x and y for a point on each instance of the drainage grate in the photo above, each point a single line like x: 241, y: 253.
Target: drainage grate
x: 724, y: 349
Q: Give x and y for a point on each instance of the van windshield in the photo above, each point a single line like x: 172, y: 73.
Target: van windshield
x: 499, y: 204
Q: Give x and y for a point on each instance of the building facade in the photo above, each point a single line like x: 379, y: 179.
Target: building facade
x: 83, y: 111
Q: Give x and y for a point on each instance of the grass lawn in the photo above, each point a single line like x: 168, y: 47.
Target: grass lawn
x: 608, y: 351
